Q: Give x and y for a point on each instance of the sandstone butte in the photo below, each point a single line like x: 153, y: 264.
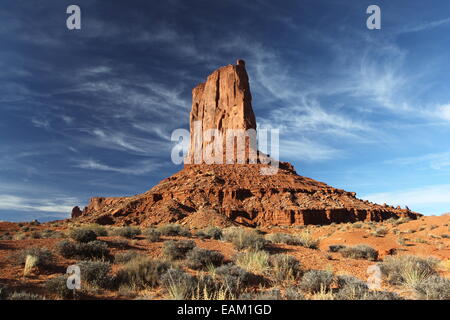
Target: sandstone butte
x: 224, y: 194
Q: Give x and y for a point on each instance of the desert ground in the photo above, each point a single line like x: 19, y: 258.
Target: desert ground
x: 173, y: 261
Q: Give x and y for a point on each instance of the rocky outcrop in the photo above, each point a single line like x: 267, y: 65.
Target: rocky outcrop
x: 223, y: 102
x: 234, y: 193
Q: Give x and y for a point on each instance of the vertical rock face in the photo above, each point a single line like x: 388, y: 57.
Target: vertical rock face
x: 223, y: 102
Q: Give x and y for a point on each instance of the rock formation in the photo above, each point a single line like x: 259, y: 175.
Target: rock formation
x: 224, y: 194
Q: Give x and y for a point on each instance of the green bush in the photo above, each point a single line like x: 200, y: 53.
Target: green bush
x: 285, y: 267
x: 91, y: 250
x: 199, y: 258
x: 96, y: 273
x: 177, y: 249
x: 210, y: 233
x: 142, y: 272
x: 434, y: 288
x: 315, y: 281
x: 244, y: 239
x: 360, y: 252
x: 83, y: 235
x: 128, y: 232
x: 152, y: 235
x: 174, y: 230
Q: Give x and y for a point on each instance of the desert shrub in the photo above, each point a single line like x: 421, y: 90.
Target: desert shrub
x: 357, y: 225
x: 273, y: 294
x: 199, y: 258
x: 96, y: 273
x: 315, y: 281
x: 244, y: 239
x: 255, y: 261
x: 336, y: 248
x: 293, y: 293
x: 142, y: 272
x: 128, y: 232
x: 434, y: 288
x: 285, y: 267
x: 360, y: 252
x: 233, y: 278
x: 283, y: 238
x: 178, y: 249
x: 382, y: 295
x: 83, y: 235
x: 127, y: 256
x: 4, y: 292
x: 210, y: 232
x: 22, y: 295
x: 174, y: 229
x: 179, y: 284
x: 58, y: 287
x: 152, y: 235
x: 351, y: 288
x: 99, y: 230
x: 407, y: 270
x: 91, y: 250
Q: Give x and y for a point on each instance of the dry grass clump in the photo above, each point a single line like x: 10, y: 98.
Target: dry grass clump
x: 141, y: 272
x: 42, y: 256
x: 255, y: 261
x: 285, y: 268
x: 408, y: 270
x: 244, y: 238
x: 433, y: 288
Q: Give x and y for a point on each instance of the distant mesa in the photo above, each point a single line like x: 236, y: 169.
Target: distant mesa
x: 225, y: 194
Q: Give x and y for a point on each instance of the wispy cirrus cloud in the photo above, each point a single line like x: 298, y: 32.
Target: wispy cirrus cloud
x: 141, y: 167
x: 17, y: 203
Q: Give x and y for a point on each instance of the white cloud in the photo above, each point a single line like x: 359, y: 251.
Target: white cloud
x: 444, y: 112
x: 17, y: 203
x: 426, y: 196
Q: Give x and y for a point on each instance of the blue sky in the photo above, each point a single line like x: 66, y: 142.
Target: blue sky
x: 90, y: 112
